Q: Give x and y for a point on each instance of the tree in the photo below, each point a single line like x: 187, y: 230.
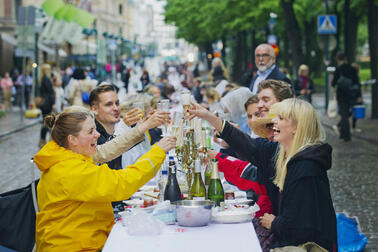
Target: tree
x: 373, y: 42
x: 293, y: 31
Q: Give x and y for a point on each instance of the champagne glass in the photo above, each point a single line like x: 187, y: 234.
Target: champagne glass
x: 186, y: 97
x: 161, y: 107
x: 165, y: 106
x: 140, y: 106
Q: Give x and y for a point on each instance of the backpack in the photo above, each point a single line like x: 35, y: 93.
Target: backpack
x: 346, y: 89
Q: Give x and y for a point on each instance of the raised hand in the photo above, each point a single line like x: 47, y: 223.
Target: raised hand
x: 131, y: 117
x: 167, y: 143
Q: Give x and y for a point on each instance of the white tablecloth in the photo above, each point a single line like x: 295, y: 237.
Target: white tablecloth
x: 239, y: 237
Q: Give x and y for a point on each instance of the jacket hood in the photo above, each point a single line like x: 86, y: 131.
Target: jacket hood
x: 319, y: 153
x: 52, y: 154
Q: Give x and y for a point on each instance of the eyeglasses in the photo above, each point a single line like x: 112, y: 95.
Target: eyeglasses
x: 264, y: 56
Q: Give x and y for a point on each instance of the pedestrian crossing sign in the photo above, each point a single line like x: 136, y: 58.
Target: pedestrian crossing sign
x: 327, y: 24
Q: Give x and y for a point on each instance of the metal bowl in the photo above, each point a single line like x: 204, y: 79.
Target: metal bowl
x: 193, y: 213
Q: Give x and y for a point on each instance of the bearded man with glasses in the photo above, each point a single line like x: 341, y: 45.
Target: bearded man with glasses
x: 265, y: 60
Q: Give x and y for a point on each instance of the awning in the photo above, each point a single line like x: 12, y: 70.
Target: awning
x: 8, y: 38
x: 11, y: 40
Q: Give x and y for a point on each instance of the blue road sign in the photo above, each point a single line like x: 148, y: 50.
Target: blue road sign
x: 272, y: 39
x: 112, y: 45
x: 327, y: 24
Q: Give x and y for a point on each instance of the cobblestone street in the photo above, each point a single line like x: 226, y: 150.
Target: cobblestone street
x: 353, y: 177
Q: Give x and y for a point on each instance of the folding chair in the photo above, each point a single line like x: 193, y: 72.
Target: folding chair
x: 17, y: 217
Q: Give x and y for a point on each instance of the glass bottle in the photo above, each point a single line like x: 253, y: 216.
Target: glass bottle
x: 215, y: 192
x: 172, y: 190
x: 207, y: 174
x: 162, y: 183
x: 198, y: 187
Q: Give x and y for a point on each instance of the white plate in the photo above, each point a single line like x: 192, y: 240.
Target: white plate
x: 232, y: 216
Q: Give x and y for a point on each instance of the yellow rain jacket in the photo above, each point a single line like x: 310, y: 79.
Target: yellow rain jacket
x: 74, y: 196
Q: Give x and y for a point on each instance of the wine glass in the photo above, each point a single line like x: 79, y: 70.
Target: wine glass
x: 161, y: 107
x: 140, y: 106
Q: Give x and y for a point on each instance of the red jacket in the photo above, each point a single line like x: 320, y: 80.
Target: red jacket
x: 244, y: 175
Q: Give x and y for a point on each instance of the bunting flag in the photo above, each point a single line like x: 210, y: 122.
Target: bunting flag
x: 52, y: 6
x: 83, y: 18
x: 66, y: 22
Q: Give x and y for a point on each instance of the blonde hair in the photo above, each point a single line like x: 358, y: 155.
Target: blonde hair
x: 211, y: 93
x: 308, y: 132
x: 45, y: 71
x: 302, y: 68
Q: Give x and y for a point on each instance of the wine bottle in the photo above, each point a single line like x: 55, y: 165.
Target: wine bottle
x: 215, y: 191
x: 172, y: 190
x: 198, y: 188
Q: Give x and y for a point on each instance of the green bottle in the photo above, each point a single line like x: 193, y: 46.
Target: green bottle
x: 198, y: 187
x: 215, y: 191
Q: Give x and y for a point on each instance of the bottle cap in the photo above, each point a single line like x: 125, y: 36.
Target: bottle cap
x: 164, y: 172
x: 170, y: 158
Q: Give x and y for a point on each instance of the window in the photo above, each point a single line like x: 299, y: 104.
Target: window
x: 120, y: 9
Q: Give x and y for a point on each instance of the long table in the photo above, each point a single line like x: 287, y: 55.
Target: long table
x: 240, y: 237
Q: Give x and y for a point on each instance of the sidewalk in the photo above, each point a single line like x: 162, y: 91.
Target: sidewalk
x: 11, y: 122
x: 368, y: 126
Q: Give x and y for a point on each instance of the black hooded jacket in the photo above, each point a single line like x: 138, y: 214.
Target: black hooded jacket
x: 306, y: 211
x: 115, y: 164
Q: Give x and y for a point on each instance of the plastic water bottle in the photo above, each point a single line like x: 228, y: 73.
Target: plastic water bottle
x: 162, y: 180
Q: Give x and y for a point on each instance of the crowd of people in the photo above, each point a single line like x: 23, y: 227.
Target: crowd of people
x: 103, y: 148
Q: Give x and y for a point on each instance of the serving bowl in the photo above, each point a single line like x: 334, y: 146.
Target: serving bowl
x: 193, y: 213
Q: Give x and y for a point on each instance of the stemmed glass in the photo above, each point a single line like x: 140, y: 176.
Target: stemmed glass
x: 186, y: 98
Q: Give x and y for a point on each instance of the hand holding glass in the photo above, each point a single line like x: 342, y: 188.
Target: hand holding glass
x: 140, y: 106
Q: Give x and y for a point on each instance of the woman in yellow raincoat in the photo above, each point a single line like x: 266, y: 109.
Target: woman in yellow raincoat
x: 74, y: 194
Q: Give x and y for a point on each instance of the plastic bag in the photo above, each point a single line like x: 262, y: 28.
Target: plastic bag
x: 165, y: 212
x: 332, y: 108
x: 140, y: 223
x: 349, y: 237
x: 85, y: 97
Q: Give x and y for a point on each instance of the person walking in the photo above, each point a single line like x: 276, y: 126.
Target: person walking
x: 28, y: 89
x: 80, y: 88
x: 7, y: 86
x: 344, y: 78
x: 265, y: 60
x: 46, y: 91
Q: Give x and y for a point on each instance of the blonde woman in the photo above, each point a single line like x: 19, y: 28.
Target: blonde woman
x: 218, y: 71
x: 213, y: 99
x: 303, y: 85
x: 294, y: 171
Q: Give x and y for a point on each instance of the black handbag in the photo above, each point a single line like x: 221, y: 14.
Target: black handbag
x: 264, y: 235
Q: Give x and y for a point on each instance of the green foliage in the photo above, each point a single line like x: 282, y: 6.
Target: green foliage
x: 201, y: 21
x: 365, y: 74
